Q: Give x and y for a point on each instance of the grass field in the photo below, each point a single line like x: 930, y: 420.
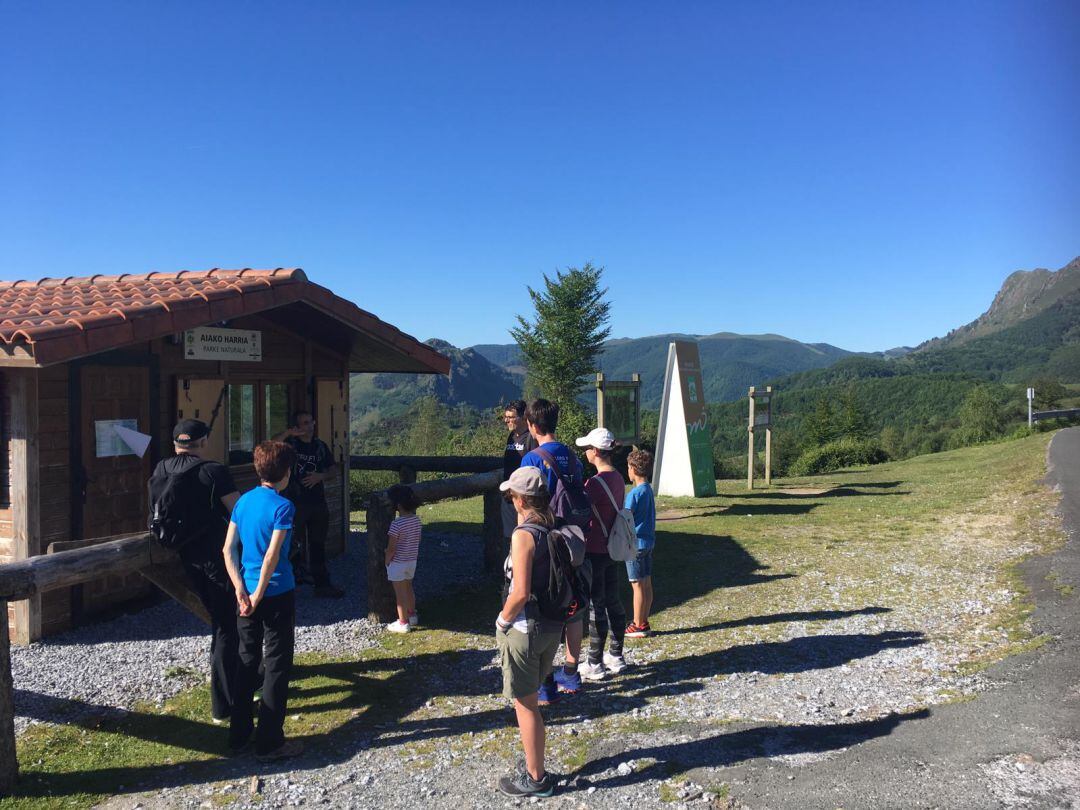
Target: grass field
x: 929, y: 543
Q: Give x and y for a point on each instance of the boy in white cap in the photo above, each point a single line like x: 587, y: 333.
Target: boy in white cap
x: 606, y: 491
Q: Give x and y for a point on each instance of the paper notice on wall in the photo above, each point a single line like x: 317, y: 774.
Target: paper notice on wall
x: 138, y: 442
x: 108, y: 442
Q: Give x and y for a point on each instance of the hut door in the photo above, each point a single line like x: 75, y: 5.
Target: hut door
x: 203, y: 399
x: 332, y: 419
x: 113, y: 476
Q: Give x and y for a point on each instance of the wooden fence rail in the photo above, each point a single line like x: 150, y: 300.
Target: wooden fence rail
x: 408, y: 466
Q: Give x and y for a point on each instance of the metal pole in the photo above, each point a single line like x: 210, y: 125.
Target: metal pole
x: 768, y: 456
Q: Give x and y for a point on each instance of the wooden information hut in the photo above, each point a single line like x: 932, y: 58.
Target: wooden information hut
x: 90, y: 367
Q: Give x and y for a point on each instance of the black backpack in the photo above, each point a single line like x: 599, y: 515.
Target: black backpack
x: 569, y: 501
x: 181, y: 509
x: 556, y: 591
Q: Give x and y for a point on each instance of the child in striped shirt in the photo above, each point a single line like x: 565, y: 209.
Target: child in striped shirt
x: 401, y: 556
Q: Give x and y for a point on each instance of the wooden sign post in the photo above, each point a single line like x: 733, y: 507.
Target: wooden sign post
x: 760, y: 417
x: 618, y: 407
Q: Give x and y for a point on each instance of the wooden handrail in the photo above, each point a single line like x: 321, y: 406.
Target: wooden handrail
x: 24, y: 578
x: 443, y: 464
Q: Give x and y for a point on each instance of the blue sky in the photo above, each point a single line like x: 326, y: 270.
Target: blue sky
x: 864, y: 174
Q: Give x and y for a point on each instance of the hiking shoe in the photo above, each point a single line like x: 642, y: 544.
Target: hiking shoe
x: 519, y: 783
x: 591, y: 672
x: 638, y: 630
x: 397, y: 627
x: 571, y: 684
x: 414, y: 619
x: 548, y: 692
x: 287, y: 750
x: 614, y: 663
x: 329, y: 590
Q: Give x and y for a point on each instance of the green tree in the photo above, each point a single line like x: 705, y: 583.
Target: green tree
x: 852, y: 422
x: 980, y: 417
x: 562, y: 342
x: 428, y: 429
x: 1048, y: 393
x: 892, y: 442
x: 819, y: 427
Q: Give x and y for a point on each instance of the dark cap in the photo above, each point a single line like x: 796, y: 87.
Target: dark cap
x: 189, y: 430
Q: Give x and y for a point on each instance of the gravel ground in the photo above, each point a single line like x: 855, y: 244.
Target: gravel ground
x: 157, y: 652
x: 749, y: 698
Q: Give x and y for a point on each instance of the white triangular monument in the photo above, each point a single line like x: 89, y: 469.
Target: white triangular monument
x: 683, y: 464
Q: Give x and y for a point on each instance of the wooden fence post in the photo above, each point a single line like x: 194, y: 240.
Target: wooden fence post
x: 382, y: 606
x: 9, y: 765
x: 494, y: 548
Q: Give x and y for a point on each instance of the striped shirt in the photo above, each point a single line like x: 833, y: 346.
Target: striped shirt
x: 406, y: 531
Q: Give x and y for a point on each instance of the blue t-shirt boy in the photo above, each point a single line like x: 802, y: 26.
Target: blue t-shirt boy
x: 641, y: 502
x: 257, y: 515
x: 567, y: 461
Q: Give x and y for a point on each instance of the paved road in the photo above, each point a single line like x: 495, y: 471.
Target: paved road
x: 941, y: 759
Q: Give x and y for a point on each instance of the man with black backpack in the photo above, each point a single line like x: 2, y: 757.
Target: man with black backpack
x: 191, y: 498
x: 564, y: 478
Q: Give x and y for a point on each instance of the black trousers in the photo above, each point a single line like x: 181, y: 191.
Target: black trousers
x: 606, y: 614
x: 273, y: 622
x: 218, y: 597
x: 310, y: 526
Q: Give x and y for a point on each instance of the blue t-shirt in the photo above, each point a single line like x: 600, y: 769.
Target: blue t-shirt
x: 567, y: 461
x: 641, y: 502
x: 256, y: 515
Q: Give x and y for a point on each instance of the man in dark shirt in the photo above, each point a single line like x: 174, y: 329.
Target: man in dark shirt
x: 519, y: 442
x: 314, y: 464
x: 204, y: 560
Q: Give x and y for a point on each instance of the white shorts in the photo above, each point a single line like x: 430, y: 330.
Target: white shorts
x: 400, y: 571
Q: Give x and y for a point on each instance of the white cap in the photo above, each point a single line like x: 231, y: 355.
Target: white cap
x: 600, y: 438
x: 525, y: 481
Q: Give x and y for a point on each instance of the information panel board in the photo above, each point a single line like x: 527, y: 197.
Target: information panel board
x: 618, y: 407
x: 209, y: 343
x: 684, y: 464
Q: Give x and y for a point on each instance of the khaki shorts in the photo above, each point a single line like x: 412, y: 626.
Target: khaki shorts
x: 526, y: 661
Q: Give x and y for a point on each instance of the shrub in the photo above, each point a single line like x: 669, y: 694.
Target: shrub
x: 837, y: 454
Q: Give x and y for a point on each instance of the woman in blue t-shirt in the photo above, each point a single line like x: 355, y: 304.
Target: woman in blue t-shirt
x: 257, y: 556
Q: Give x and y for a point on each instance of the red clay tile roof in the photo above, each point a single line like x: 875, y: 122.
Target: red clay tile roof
x: 59, y: 319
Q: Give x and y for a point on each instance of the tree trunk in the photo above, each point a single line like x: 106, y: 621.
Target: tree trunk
x: 9, y: 765
x: 382, y: 606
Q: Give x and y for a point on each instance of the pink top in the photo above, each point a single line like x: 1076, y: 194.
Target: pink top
x: 406, y: 530
x: 595, y: 540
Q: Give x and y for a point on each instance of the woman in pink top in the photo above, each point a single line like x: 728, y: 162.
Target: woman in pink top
x: 606, y: 490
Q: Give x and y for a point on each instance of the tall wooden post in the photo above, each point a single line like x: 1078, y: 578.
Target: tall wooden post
x: 9, y: 765
x: 750, y: 446
x: 494, y: 548
x: 768, y: 441
x: 382, y: 606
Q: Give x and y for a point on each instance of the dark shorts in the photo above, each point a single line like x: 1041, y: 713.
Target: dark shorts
x: 641, y: 567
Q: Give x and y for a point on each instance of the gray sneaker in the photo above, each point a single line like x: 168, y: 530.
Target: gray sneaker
x: 519, y: 783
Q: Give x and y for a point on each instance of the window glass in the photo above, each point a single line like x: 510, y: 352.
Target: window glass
x: 241, y: 423
x: 276, y: 408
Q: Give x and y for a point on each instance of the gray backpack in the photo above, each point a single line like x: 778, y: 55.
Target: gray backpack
x: 621, y: 536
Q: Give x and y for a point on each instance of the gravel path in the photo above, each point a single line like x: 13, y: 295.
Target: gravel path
x: 157, y: 652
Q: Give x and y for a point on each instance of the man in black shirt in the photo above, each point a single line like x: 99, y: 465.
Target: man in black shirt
x: 314, y: 464
x: 519, y: 442
x: 203, y: 556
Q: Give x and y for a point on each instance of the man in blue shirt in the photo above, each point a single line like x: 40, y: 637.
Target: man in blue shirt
x: 257, y: 556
